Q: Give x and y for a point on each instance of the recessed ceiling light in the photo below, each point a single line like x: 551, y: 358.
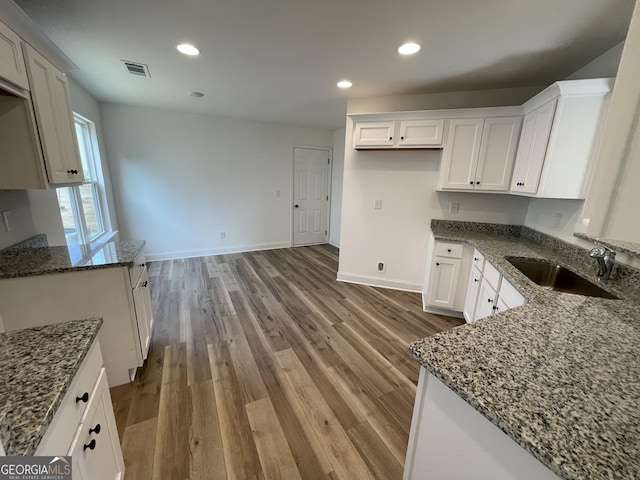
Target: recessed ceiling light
x: 196, y: 94
x: 344, y: 84
x: 409, y: 48
x: 188, y: 49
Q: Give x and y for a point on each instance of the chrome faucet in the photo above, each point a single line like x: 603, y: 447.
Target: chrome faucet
x: 606, y: 259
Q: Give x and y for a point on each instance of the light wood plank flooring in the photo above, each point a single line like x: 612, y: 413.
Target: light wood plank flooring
x: 263, y: 366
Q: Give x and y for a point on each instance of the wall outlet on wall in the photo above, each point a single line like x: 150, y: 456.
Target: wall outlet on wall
x: 556, y: 223
x: 454, y: 208
x: 223, y: 235
x: 277, y: 193
x: 380, y: 266
x: 8, y: 220
x: 377, y: 205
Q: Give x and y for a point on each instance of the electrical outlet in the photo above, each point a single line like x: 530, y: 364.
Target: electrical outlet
x: 454, y: 208
x: 380, y: 266
x: 8, y: 220
x: 223, y: 235
x: 277, y: 193
x: 377, y: 205
x: 556, y: 223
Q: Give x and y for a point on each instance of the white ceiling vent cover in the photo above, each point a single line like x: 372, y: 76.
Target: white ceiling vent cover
x: 136, y: 68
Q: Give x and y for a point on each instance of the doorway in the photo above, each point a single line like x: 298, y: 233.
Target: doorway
x: 311, y: 176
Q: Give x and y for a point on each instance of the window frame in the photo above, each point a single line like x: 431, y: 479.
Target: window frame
x: 94, y: 178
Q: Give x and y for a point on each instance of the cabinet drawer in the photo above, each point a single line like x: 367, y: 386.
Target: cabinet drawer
x: 135, y: 272
x: 73, y: 406
x: 450, y: 250
x: 477, y: 260
x: 492, y: 276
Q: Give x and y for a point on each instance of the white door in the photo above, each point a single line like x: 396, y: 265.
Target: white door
x: 486, y: 301
x: 497, y: 153
x: 310, y: 195
x: 460, y: 157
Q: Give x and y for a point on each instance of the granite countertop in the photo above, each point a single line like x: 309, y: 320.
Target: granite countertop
x: 42, y: 260
x: 561, y: 374
x: 37, y: 366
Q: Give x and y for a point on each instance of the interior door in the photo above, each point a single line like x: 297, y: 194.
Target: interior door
x: 310, y: 195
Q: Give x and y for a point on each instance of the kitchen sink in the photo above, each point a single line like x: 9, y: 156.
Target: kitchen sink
x: 550, y: 274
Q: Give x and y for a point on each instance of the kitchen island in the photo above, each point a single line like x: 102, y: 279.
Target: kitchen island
x: 559, y: 376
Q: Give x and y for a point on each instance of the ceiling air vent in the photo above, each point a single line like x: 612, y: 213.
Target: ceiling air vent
x: 136, y: 68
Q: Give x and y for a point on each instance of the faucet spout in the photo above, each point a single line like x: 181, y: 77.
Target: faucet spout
x: 606, y: 259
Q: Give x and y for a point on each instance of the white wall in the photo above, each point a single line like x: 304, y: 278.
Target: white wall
x: 336, y: 186
x: 406, y: 183
x: 604, y: 66
x: 16, y: 201
x: 179, y: 179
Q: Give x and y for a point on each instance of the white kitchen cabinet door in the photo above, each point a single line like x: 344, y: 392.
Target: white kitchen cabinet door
x: 460, y: 155
x: 497, y: 153
x: 509, y: 297
x: 420, y: 133
x: 533, y: 148
x: 374, y: 134
x: 443, y: 282
x: 12, y: 68
x: 95, y: 449
x: 52, y: 106
x: 473, y: 289
x: 485, y: 302
x: 144, y: 314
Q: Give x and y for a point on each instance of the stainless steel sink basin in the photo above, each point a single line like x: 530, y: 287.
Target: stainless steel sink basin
x: 550, y: 274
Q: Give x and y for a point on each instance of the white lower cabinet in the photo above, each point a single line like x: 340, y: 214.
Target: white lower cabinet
x: 486, y: 301
x: 95, y: 450
x: 109, y: 293
x: 84, y: 425
x: 451, y: 440
x: 473, y: 290
x: 446, y: 285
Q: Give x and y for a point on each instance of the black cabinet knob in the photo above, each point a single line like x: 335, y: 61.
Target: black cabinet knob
x: 470, y: 183
x: 476, y: 280
x: 489, y: 300
x: 143, y: 265
x: 475, y: 259
x: 449, y: 250
x: 437, y: 264
x: 494, y: 307
x: 297, y: 206
x: 72, y: 172
x: 477, y: 183
x: 84, y: 398
x: 145, y: 283
x: 95, y: 429
x: 401, y: 138
x: 91, y: 445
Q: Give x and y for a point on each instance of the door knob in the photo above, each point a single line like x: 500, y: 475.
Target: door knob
x: 297, y: 206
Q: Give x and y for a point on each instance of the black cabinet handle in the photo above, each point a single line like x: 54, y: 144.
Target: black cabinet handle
x: 401, y: 138
x: 449, y: 250
x: 72, y: 172
x: 475, y: 259
x: 390, y: 138
x: 84, y: 398
x: 494, y: 307
x: 489, y: 300
x: 142, y: 265
x: 95, y: 430
x: 437, y: 264
x: 470, y: 183
x: 477, y: 183
x: 145, y: 283
x: 91, y: 445
x: 297, y: 206
x: 476, y: 280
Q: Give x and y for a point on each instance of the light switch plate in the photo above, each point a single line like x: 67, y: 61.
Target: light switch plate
x: 8, y: 220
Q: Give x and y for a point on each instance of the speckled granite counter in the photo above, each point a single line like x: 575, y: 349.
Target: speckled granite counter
x: 27, y: 262
x: 561, y: 374
x: 37, y: 366
x: 630, y: 248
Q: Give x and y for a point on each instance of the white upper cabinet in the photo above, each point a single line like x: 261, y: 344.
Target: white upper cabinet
x: 12, y: 67
x: 52, y: 106
x: 560, y: 139
x: 479, y: 154
x: 422, y: 133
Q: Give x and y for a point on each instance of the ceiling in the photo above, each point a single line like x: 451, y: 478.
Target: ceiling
x: 279, y: 60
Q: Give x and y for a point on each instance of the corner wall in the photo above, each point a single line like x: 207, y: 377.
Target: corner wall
x: 337, y: 171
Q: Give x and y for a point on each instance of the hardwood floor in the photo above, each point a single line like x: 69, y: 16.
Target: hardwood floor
x: 262, y: 365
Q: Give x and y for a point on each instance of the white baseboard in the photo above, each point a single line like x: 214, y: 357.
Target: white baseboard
x: 443, y: 311
x: 334, y: 243
x: 391, y: 283
x: 154, y: 257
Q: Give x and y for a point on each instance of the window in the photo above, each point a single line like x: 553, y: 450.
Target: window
x: 82, y: 206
